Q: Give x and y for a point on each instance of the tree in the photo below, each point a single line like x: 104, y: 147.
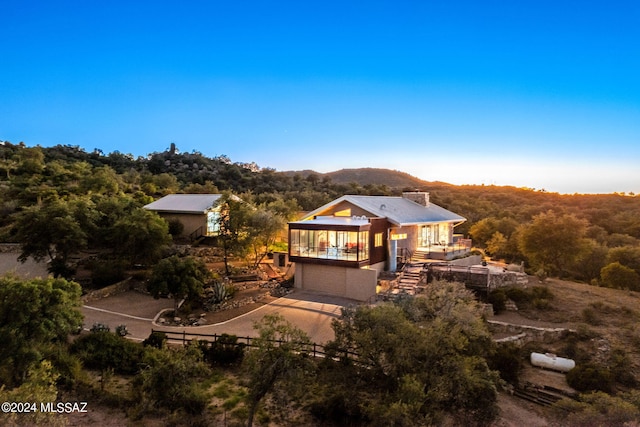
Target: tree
x: 277, y: 357
x: 552, y: 242
x: 591, y: 260
x: 618, y: 276
x: 414, y: 361
x: 140, y: 237
x: 234, y: 222
x: 102, y: 180
x: 34, y: 313
x: 180, y: 277
x: 628, y: 256
x: 39, y: 386
x: 264, y: 228
x: 52, y: 231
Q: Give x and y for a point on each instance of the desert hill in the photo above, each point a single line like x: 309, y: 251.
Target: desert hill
x: 393, y: 179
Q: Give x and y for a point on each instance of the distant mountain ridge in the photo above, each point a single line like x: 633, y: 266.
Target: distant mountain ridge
x: 393, y: 179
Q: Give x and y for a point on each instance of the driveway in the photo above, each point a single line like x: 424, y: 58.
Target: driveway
x: 310, y: 312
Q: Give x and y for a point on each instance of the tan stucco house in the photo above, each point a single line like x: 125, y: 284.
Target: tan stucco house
x: 198, y: 213
x: 341, y: 247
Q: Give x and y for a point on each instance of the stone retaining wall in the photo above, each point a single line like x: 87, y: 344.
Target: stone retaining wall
x: 524, y: 333
x: 9, y: 248
x: 116, y: 288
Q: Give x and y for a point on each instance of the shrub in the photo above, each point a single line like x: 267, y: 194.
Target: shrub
x: 622, y: 368
x: 591, y: 316
x: 541, y: 292
x: 68, y: 366
x: 498, y: 298
x: 225, y: 351
x: 100, y: 327
x: 584, y: 333
x: 618, y: 276
x: 176, y: 227
x: 517, y: 295
x: 590, y: 377
x: 103, y: 350
x: 507, y: 359
x: 173, y: 381
x: 156, y: 339
x: 598, y: 409
x: 538, y: 297
x: 105, y: 273
x: 122, y: 331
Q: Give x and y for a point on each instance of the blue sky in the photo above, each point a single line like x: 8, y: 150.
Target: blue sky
x: 537, y: 94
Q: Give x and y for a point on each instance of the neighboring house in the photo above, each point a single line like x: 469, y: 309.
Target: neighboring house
x: 198, y: 213
x: 341, y: 247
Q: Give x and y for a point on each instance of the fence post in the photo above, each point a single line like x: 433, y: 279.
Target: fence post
x: 184, y: 337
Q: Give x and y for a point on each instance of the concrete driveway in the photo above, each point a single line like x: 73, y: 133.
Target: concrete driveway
x: 310, y: 312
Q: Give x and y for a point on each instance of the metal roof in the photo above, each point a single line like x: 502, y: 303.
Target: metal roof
x: 397, y: 210
x: 336, y: 220
x: 185, y: 203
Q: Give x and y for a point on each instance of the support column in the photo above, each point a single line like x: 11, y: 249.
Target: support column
x: 393, y: 255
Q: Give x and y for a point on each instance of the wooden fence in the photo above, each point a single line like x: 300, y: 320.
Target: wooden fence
x: 311, y: 349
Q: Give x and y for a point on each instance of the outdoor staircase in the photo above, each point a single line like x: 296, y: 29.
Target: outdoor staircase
x: 419, y: 255
x: 409, y: 279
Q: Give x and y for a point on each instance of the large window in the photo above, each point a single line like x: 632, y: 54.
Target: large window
x: 213, y: 222
x: 330, y: 244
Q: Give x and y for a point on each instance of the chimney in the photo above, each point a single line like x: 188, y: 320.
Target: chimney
x: 419, y: 197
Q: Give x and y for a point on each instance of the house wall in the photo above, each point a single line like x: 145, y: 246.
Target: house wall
x: 191, y: 222
x: 378, y: 254
x: 354, y: 283
x: 411, y: 242
x: 355, y: 210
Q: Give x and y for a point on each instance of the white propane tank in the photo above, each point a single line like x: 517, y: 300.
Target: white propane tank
x: 551, y: 361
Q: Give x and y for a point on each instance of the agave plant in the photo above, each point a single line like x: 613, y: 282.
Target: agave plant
x: 220, y: 293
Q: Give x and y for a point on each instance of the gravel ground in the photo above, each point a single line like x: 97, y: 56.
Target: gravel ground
x: 30, y: 269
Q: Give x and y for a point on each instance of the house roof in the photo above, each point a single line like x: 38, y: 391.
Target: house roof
x: 336, y: 220
x: 398, y: 210
x: 185, y: 203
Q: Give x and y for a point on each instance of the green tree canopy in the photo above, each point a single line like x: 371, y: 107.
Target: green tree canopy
x: 553, y: 242
x: 34, y: 313
x: 180, y: 277
x: 618, y: 276
x: 54, y: 230
x: 140, y: 237
x: 264, y: 228
x: 234, y: 220
x: 416, y: 361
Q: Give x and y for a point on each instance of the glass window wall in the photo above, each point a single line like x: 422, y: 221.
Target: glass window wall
x: 330, y: 244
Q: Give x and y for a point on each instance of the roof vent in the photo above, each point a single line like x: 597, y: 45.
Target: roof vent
x: 383, y: 207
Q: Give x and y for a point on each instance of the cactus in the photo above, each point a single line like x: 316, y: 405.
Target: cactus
x: 220, y: 293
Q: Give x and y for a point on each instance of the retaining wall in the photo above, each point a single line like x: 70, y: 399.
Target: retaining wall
x: 116, y: 288
x: 524, y: 333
